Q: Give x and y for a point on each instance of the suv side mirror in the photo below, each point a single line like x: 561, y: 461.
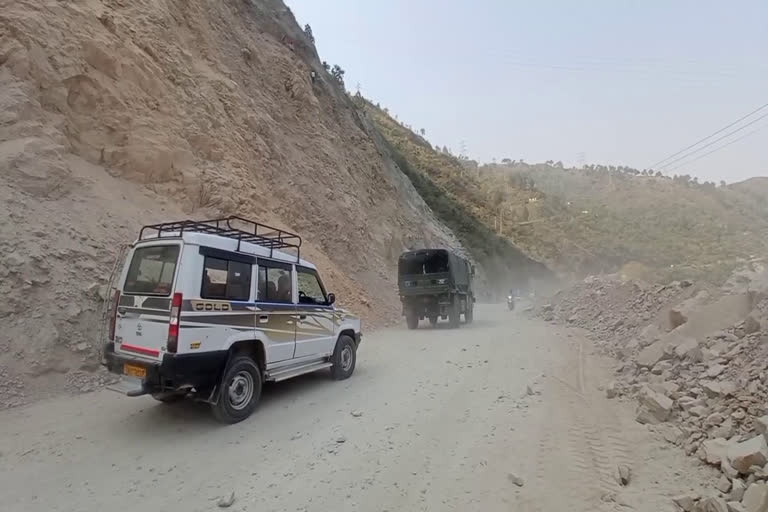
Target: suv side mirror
x: 331, y: 298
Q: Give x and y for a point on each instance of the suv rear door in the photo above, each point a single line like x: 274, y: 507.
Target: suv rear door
x: 275, y: 310
x: 143, y: 312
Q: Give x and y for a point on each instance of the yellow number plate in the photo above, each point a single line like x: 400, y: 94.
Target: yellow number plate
x: 134, y: 370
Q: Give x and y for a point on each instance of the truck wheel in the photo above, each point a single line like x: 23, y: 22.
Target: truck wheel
x: 344, y: 358
x: 454, y: 315
x: 412, y: 320
x: 433, y: 321
x: 239, y: 390
x: 469, y: 314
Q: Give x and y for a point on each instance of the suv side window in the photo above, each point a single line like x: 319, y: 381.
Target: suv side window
x: 275, y: 283
x: 225, y: 279
x: 310, y: 288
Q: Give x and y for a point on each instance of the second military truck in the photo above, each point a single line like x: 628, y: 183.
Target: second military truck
x: 435, y: 284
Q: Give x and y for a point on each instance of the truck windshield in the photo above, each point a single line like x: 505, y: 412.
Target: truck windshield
x: 430, y: 263
x: 152, y: 270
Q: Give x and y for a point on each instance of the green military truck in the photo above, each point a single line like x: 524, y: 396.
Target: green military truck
x: 435, y: 284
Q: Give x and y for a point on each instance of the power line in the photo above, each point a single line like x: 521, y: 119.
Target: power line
x: 714, y: 141
x: 737, y: 139
x: 721, y: 130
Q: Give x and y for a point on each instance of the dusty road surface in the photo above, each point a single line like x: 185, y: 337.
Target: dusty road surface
x: 434, y: 419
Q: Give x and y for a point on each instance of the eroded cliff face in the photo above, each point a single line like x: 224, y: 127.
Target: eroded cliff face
x: 118, y: 113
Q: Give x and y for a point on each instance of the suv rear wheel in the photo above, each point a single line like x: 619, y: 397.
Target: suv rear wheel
x: 239, y: 390
x: 344, y: 358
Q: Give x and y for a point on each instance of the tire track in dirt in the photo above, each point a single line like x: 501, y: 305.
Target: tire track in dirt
x: 580, y: 445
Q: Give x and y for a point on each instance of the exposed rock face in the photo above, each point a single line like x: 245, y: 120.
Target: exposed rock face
x: 118, y: 114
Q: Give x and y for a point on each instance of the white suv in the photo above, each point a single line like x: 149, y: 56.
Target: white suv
x: 212, y: 309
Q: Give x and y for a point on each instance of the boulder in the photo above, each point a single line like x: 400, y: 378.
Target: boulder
x: 751, y: 325
x: 753, y: 452
x: 685, y: 346
x: 715, y: 370
x: 737, y: 489
x: 673, y: 435
x: 699, y: 411
x: 652, y: 354
x: 656, y: 403
x: 761, y: 425
x: 713, y: 504
x: 676, y: 319
x: 714, y: 450
x: 685, y: 502
x: 726, y: 429
x: 645, y: 417
x: 724, y: 484
x: 714, y: 389
x: 714, y: 420
x: 756, y: 498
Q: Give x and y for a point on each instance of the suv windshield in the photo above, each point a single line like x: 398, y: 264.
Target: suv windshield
x: 152, y: 269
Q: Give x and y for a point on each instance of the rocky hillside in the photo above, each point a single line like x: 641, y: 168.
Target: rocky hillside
x: 117, y: 113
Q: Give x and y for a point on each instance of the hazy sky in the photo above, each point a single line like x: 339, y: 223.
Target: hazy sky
x: 612, y: 81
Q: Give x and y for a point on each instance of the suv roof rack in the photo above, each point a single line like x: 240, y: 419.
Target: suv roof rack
x: 245, y: 231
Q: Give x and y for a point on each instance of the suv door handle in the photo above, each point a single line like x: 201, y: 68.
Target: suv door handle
x: 263, y: 319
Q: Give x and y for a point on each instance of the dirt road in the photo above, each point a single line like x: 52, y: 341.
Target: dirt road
x: 434, y: 419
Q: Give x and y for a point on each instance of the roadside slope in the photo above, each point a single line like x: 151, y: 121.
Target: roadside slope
x: 115, y: 114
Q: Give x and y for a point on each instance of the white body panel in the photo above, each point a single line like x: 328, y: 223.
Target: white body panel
x: 290, y: 332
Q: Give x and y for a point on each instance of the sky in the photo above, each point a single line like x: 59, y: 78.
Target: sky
x: 614, y: 82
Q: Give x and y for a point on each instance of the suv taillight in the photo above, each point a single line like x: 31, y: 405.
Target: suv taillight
x: 113, y: 315
x: 174, y: 323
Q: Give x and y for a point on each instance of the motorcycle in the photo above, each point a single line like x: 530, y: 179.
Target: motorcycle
x: 510, y: 302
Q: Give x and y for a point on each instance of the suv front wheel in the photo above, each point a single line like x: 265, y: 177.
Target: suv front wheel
x: 344, y: 358
x: 239, y: 390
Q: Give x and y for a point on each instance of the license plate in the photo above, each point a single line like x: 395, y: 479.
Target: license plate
x: 134, y: 370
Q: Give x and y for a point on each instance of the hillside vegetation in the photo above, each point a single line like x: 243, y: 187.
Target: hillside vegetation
x: 597, y: 219
x: 459, y: 202
x: 463, y: 194
x: 677, y: 226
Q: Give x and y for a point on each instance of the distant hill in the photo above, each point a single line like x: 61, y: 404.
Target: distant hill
x: 597, y: 218
x: 756, y: 188
x: 675, y: 226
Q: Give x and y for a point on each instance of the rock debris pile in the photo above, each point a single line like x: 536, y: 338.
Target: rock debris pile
x: 696, y: 360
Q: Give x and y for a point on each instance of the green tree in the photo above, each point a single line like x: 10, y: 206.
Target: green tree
x: 308, y: 33
x: 338, y: 74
